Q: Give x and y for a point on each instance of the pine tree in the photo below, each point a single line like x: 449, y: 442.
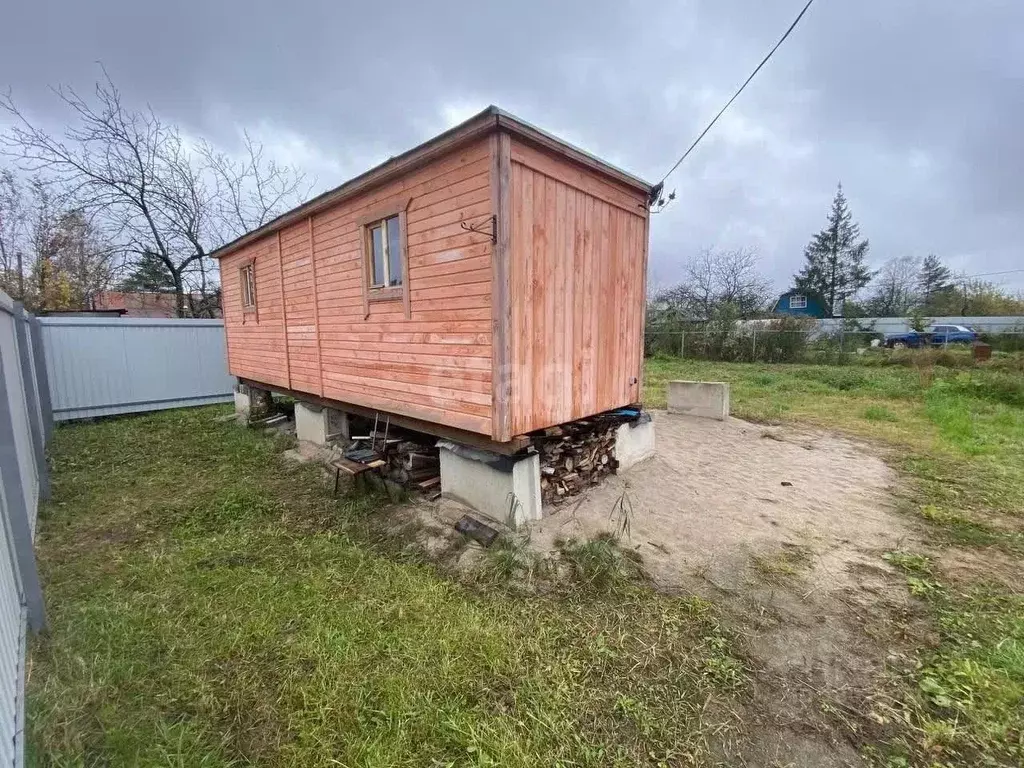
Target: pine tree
x: 934, y: 279
x: 835, y: 267
x: 150, y: 274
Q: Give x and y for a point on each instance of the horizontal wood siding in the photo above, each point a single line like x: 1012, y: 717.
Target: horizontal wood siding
x: 297, y: 267
x: 433, y: 365
x: 578, y: 254
x: 256, y: 345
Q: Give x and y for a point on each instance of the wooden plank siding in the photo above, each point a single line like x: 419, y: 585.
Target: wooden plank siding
x: 297, y: 267
x: 498, y: 339
x: 256, y: 340
x: 577, y: 283
x: 434, y: 364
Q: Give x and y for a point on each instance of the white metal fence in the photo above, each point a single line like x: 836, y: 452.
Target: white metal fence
x: 987, y: 324
x: 25, y: 428
x: 110, y: 365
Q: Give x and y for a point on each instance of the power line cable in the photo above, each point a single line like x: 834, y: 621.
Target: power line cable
x: 990, y: 274
x: 745, y: 82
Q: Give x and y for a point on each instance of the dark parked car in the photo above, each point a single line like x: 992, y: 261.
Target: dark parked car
x: 937, y: 336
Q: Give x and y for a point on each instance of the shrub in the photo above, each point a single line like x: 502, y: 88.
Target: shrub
x: 1011, y: 340
x: 727, y: 338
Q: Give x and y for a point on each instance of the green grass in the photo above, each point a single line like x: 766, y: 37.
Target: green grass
x: 212, y: 605
x: 600, y: 563
x: 966, y: 695
x: 879, y: 413
x: 957, y: 435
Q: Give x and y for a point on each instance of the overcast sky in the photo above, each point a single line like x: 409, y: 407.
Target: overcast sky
x: 917, y: 106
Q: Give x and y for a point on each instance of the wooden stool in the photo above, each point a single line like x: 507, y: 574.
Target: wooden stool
x: 352, y: 468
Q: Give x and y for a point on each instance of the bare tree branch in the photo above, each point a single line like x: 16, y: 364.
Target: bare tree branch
x: 715, y: 278
x: 155, y: 194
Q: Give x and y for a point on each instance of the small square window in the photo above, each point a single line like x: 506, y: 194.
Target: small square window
x: 386, y: 253
x: 247, y: 275
x: 798, y: 302
x: 385, y: 261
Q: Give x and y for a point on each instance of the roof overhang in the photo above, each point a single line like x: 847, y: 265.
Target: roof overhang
x: 490, y: 120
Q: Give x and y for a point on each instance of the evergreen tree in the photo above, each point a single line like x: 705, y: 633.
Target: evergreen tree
x: 834, y: 266
x: 934, y: 279
x: 150, y: 274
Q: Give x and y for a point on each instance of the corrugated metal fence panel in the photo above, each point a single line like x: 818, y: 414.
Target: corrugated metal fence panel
x: 12, y: 658
x: 19, y: 414
x: 20, y: 483
x: 106, y: 366
x: 30, y: 379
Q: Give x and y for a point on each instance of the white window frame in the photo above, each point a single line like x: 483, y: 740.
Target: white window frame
x: 798, y: 301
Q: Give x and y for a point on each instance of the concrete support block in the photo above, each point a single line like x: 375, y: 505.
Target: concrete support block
x: 337, y: 424
x: 634, y: 442
x: 503, y: 488
x: 242, y: 402
x: 311, y: 423
x: 706, y: 399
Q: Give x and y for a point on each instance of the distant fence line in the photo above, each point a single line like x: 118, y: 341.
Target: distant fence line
x: 102, y: 366
x: 752, y: 343
x: 25, y: 428
x: 980, y: 323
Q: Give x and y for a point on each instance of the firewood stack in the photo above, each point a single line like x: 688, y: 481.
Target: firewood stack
x: 407, y: 458
x: 414, y: 465
x: 575, y: 456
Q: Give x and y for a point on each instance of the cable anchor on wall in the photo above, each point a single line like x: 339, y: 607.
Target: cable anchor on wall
x: 493, y: 234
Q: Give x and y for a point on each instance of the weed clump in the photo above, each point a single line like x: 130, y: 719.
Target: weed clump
x: 600, y: 563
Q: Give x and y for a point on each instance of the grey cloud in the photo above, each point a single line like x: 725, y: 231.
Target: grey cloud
x: 916, y: 106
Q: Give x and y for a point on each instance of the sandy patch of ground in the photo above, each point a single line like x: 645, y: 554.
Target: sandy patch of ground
x: 720, y: 497
x: 785, y: 528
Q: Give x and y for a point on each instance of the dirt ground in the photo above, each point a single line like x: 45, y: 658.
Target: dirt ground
x: 721, y: 497
x: 785, y: 528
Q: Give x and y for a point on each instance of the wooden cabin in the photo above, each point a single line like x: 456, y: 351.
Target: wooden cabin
x: 489, y: 282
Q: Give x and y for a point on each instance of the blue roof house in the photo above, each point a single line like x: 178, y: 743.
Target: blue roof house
x: 801, y: 304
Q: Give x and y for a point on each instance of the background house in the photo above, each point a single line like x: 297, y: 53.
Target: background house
x: 154, y: 303
x: 800, y: 304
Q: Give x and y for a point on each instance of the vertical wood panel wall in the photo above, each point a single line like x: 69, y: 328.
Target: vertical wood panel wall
x: 578, y: 276
x: 434, y: 365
